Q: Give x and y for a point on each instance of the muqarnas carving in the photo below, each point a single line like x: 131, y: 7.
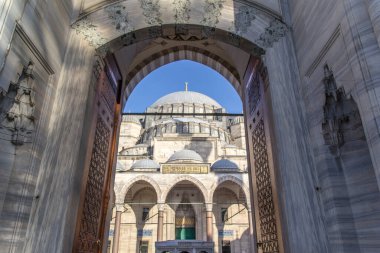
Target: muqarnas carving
x: 17, y: 108
x: 341, y: 115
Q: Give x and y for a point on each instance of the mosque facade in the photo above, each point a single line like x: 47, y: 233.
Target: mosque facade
x: 182, y: 179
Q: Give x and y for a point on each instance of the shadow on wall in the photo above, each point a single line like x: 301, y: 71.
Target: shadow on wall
x: 352, y: 203
x: 231, y: 218
x: 142, y: 200
x: 203, y: 148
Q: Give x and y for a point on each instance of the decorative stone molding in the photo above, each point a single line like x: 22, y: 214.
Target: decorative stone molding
x: 98, y: 66
x: 119, y: 16
x: 161, y: 206
x: 182, y: 11
x: 17, y: 108
x: 212, y: 11
x: 118, y: 189
x: 243, y: 19
x: 120, y: 207
x: 272, y: 34
x: 340, y: 111
x: 85, y: 28
x: 183, y: 32
x: 209, y: 207
x: 151, y: 11
x: 154, y: 32
x: 2, y: 92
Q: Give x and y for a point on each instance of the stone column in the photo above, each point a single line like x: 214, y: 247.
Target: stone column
x: 116, y: 234
x: 374, y: 14
x: 209, y: 230
x: 160, y: 224
x: 363, y: 56
x: 252, y: 229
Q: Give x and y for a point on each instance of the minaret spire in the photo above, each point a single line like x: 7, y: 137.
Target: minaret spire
x: 186, y: 84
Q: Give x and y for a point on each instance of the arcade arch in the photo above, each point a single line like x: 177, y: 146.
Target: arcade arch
x: 124, y: 187
x: 231, y: 205
x: 185, y: 218
x: 193, y: 180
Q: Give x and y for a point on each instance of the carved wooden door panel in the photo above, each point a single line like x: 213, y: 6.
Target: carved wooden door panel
x: 260, y: 158
x: 96, y: 190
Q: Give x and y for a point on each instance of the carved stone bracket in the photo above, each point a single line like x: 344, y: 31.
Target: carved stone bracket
x: 17, y: 108
x: 212, y: 12
x: 85, y: 28
x: 339, y: 112
x: 119, y: 16
x: 243, y: 19
x: 272, y: 34
x: 120, y: 207
x: 151, y: 11
x: 182, y: 11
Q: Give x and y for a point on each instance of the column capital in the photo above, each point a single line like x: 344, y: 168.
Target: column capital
x: 120, y: 207
x: 208, y: 207
x: 161, y: 206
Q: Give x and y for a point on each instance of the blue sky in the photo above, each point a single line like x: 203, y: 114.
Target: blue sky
x: 172, y: 77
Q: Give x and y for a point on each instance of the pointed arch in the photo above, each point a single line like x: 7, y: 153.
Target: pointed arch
x: 235, y: 180
x: 122, y: 188
x: 191, y: 179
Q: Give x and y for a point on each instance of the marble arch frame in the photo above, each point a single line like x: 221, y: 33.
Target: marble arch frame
x: 185, y: 34
x: 191, y: 179
x: 229, y: 178
x: 177, y: 53
x: 125, y: 187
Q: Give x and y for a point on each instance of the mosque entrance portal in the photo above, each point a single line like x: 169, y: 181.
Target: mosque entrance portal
x: 250, y: 82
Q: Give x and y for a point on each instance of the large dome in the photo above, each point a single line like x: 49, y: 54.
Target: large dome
x: 186, y: 155
x: 190, y: 97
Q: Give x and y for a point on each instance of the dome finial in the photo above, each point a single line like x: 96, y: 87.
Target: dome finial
x: 186, y: 84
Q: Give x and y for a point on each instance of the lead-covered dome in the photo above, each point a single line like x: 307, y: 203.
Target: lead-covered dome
x: 145, y: 164
x: 186, y: 155
x: 224, y: 165
x: 190, y: 97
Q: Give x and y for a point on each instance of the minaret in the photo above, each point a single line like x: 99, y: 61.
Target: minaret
x: 186, y: 84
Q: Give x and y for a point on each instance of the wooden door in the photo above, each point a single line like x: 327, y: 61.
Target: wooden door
x: 96, y: 189
x: 262, y: 176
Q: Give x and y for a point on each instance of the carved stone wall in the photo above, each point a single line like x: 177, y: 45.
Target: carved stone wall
x: 24, y: 98
x: 349, y: 169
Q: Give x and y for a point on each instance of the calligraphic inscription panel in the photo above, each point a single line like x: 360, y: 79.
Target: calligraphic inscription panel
x: 184, y: 169
x: 266, y: 208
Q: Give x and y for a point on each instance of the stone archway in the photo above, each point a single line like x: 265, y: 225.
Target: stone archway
x: 62, y: 167
x: 177, y: 53
x: 236, y: 181
x: 191, y: 179
x: 125, y: 186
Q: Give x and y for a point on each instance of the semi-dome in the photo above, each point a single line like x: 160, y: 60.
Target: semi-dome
x: 224, y: 164
x: 190, y: 97
x: 186, y: 155
x: 145, y: 164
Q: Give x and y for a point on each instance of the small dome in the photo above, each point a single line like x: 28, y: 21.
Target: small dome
x: 224, y: 164
x: 145, y: 164
x: 186, y: 154
x: 190, y: 97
